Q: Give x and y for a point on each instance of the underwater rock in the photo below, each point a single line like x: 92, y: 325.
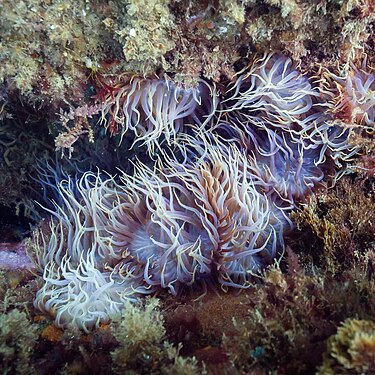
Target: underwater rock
x: 13, y: 256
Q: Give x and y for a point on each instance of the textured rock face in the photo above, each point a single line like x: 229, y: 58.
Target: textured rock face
x: 13, y: 256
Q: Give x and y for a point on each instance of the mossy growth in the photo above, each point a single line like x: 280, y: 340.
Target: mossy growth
x: 279, y: 325
x: 139, y: 333
x: 351, y: 350
x: 302, y: 27
x: 18, y: 338
x: 18, y: 333
x: 17, y: 290
x: 146, y: 30
x: 48, y: 47
x: 143, y: 347
x: 336, y: 228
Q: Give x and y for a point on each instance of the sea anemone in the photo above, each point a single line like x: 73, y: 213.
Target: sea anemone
x: 254, y: 224
x: 332, y: 139
x: 155, y: 109
x: 284, y: 166
x: 287, y: 166
x: 353, y: 98
x: 285, y: 124
x: 83, y: 295
x: 226, y: 225
x: 81, y: 287
x: 50, y: 174
x: 171, y: 227
x: 271, y: 89
x: 161, y: 229
x: 269, y: 111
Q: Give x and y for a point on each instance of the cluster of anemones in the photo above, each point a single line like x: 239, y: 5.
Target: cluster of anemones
x: 215, y: 214
x: 285, y: 121
x: 194, y: 225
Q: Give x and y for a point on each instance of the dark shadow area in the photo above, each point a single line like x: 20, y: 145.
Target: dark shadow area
x: 13, y: 228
